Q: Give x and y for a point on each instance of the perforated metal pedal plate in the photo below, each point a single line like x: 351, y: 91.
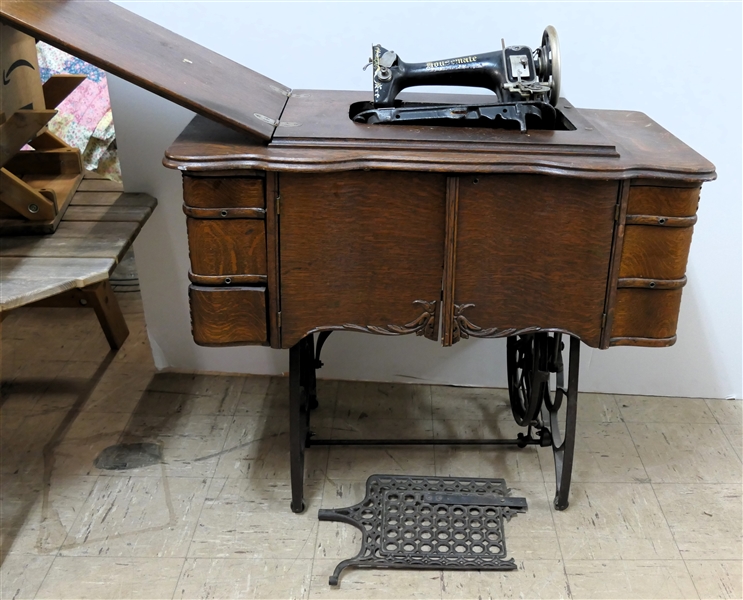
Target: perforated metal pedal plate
x: 418, y: 522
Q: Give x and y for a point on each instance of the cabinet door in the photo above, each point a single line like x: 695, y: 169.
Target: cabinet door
x: 531, y: 252
x: 361, y: 251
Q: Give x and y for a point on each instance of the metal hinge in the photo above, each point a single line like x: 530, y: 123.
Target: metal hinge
x: 603, y: 321
x: 281, y: 91
x: 275, y: 122
x: 278, y: 204
x: 278, y: 320
x: 617, y: 210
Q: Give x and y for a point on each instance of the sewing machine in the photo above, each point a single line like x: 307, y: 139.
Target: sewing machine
x: 308, y: 214
x: 526, y: 85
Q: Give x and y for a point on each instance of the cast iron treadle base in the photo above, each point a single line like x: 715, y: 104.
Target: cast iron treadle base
x: 418, y: 522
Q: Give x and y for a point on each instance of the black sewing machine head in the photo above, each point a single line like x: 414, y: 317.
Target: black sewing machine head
x: 526, y: 85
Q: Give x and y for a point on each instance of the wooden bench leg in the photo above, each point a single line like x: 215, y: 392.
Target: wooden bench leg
x: 100, y: 296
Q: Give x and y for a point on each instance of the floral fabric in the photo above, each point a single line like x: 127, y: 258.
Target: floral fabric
x: 84, y: 120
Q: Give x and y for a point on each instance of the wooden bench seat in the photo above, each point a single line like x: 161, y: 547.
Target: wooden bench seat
x: 72, y: 266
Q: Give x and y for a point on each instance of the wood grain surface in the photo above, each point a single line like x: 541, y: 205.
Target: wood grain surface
x: 534, y: 251
x: 644, y: 314
x: 663, y: 201
x: 655, y: 252
x: 228, y: 316
x: 645, y: 150
x: 272, y: 258
x: 82, y: 251
x: 153, y: 58
x: 219, y: 192
x: 227, y: 247
x: 321, y: 120
x: 28, y: 279
x: 79, y: 239
x: 359, y: 249
x: 616, y: 257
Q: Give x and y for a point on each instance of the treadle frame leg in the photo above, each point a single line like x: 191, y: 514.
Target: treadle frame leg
x: 563, y: 446
x: 296, y: 427
x: 309, y: 375
x: 308, y: 382
x: 302, y: 390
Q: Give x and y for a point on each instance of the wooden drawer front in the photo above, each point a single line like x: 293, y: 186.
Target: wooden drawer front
x: 655, y: 252
x: 642, y: 316
x: 667, y: 201
x: 223, y: 192
x: 228, y: 316
x: 228, y: 247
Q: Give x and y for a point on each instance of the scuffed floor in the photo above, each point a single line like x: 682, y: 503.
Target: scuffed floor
x: 655, y: 505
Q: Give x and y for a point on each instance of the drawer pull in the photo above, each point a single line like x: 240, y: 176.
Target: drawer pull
x: 217, y: 280
x: 653, y: 284
x: 663, y: 221
x: 224, y: 213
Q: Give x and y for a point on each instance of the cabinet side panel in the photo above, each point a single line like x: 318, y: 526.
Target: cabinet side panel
x: 533, y: 251
x: 361, y: 251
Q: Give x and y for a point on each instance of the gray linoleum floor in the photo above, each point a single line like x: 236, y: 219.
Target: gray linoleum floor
x: 655, y: 505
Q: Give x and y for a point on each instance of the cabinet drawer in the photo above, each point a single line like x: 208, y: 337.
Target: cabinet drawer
x: 223, y: 192
x: 235, y: 247
x: 666, y: 201
x: 645, y: 314
x: 655, y: 252
x: 228, y: 316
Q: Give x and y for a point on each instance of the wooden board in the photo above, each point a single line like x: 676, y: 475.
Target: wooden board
x: 155, y: 59
x: 533, y: 251
x: 645, y: 150
x: 113, y: 198
x: 26, y: 280
x: 320, y: 119
x: 83, y: 239
x: 64, y: 187
x: 97, y: 230
x: 360, y: 251
x: 107, y: 213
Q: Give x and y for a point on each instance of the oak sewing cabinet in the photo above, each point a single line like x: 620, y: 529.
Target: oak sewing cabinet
x: 442, y: 232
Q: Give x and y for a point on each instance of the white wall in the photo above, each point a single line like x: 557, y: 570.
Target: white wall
x: 678, y: 63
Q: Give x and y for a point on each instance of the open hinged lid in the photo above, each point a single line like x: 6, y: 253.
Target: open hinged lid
x: 155, y: 59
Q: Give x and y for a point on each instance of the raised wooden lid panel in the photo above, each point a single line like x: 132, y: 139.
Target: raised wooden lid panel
x: 155, y: 59
x: 320, y: 119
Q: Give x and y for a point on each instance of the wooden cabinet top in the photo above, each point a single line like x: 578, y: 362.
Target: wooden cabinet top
x: 316, y: 134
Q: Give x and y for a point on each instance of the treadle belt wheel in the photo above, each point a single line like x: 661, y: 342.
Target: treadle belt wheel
x: 418, y: 522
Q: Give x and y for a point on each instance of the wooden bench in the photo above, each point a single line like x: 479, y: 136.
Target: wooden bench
x: 71, y: 267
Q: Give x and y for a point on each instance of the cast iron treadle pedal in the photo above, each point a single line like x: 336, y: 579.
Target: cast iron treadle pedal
x: 418, y: 522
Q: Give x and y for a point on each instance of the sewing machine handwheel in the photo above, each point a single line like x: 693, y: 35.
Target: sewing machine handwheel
x: 526, y: 358
x: 550, y: 52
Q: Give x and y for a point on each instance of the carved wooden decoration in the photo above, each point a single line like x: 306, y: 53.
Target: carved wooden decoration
x: 463, y: 328
x: 423, y: 325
